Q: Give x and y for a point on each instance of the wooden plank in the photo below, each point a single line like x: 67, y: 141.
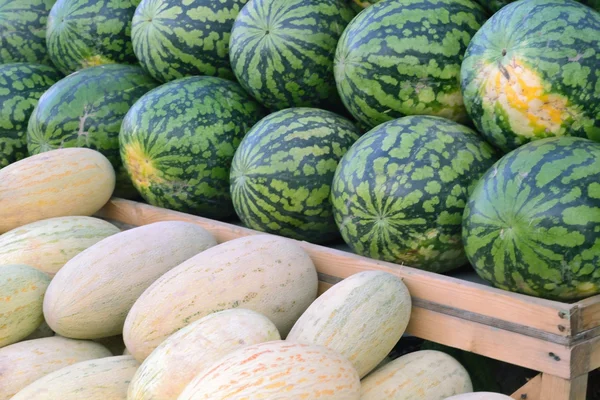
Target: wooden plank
x: 586, y: 357
x: 495, y: 343
x: 531, y: 390
x: 555, y: 388
x: 529, y: 312
x: 587, y: 315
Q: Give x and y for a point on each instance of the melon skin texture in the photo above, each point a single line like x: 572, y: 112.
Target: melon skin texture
x: 48, y: 244
x: 480, y: 396
x: 361, y: 318
x: 193, y: 349
x: 102, y: 379
x: 267, y: 274
x: 277, y: 370
x: 63, y: 182
x: 22, y: 291
x: 91, y: 295
x: 425, y: 374
x: 25, y: 362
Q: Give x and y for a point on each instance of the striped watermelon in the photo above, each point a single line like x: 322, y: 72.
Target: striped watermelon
x: 532, y: 224
x: 495, y: 5
x: 282, y: 51
x: 173, y: 39
x: 403, y: 58
x: 528, y: 74
x: 85, y: 33
x: 281, y: 173
x: 85, y: 109
x: 21, y: 85
x: 399, y: 193
x: 23, y: 31
x: 178, y: 141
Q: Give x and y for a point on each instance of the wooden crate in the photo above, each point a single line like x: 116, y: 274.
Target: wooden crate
x: 560, y: 340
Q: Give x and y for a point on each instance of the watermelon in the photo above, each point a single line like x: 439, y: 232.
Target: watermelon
x: 400, y: 58
x: 21, y: 85
x: 173, y: 39
x: 532, y: 224
x: 399, y: 193
x: 85, y: 109
x: 528, y: 74
x: 494, y: 5
x: 86, y: 33
x: 281, y: 51
x: 23, y: 31
x: 178, y: 141
x: 281, y: 173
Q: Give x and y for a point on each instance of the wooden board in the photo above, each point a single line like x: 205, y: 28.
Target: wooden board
x: 531, y: 391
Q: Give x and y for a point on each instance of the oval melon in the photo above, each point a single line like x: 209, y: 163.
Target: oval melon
x: 73, y: 181
x: 101, y: 379
x: 480, y: 396
x: 91, y: 295
x: 191, y: 350
x: 362, y: 318
x: 267, y: 274
x: 281, y: 370
x: 48, y: 244
x: 422, y: 375
x: 22, y: 291
x: 25, y: 362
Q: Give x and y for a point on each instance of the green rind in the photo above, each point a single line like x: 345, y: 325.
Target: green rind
x: 553, y: 46
x: 401, y: 58
x: 178, y: 141
x: 281, y: 51
x: 87, y: 33
x: 23, y: 31
x: 21, y: 85
x: 532, y: 224
x: 495, y: 5
x: 173, y: 39
x: 399, y: 193
x: 281, y: 173
x: 86, y: 109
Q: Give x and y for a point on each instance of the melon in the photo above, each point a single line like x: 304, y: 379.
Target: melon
x: 62, y: 182
x: 422, y: 375
x: 102, y: 379
x: 48, y: 244
x: 267, y: 274
x: 480, y: 396
x: 191, y: 350
x: 91, y: 295
x: 277, y: 370
x: 362, y: 318
x: 25, y: 362
x: 22, y: 291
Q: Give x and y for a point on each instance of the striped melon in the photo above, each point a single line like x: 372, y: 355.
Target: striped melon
x: 362, y: 318
x: 48, y: 244
x: 91, y: 295
x: 480, y: 396
x: 102, y: 379
x: 268, y: 274
x: 191, y: 350
x: 63, y: 182
x: 277, y: 370
x: 422, y: 375
x: 25, y: 362
x: 22, y: 291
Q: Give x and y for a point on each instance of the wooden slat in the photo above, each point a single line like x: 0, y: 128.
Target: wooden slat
x: 586, y: 357
x: 556, y: 388
x: 531, y: 390
x: 531, y: 313
x: 587, y: 315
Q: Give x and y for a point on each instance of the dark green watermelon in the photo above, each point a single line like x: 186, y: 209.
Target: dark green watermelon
x: 282, y: 51
x: 532, y: 224
x: 87, y: 33
x: 399, y: 193
x: 173, y: 39
x: 401, y: 58
x: 533, y: 71
x: 86, y: 109
x: 494, y: 5
x: 178, y: 141
x: 23, y: 31
x: 21, y: 85
x: 282, y: 171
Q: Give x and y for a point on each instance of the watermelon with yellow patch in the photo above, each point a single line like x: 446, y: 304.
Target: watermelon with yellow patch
x: 532, y: 72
